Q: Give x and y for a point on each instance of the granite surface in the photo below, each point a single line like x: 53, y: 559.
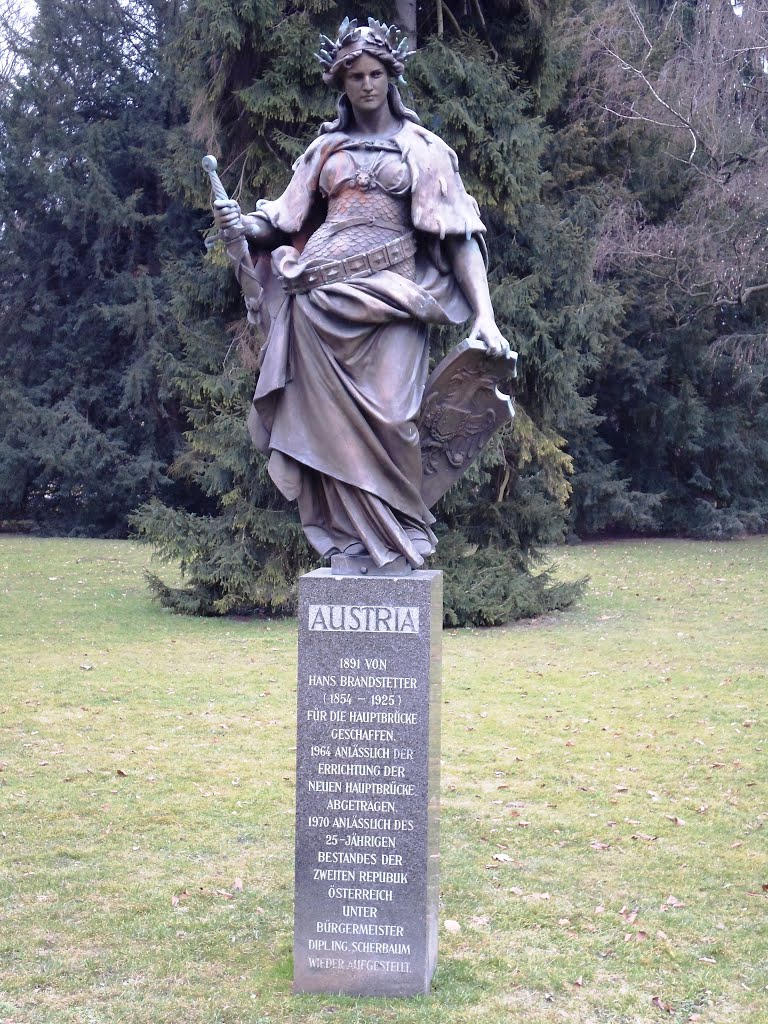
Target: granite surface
x: 367, y: 783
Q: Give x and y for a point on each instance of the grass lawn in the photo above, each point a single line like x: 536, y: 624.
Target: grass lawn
x: 604, y: 821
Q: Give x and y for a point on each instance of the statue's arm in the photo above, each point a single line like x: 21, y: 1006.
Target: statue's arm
x: 469, y: 269
x: 261, y: 232
x: 274, y: 222
x: 233, y: 224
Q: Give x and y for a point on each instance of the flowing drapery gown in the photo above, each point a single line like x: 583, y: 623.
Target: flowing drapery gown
x: 346, y: 360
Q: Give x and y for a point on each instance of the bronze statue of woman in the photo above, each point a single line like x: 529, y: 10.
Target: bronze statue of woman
x: 374, y: 239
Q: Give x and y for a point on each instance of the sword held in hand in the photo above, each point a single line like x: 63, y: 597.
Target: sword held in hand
x: 211, y: 168
x: 237, y: 248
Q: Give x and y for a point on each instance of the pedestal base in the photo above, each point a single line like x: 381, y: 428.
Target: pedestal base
x: 367, y: 783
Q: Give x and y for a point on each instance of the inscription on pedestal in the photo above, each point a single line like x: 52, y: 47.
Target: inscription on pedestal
x: 367, y: 783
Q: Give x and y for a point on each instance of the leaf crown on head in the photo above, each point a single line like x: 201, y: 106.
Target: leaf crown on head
x: 379, y: 39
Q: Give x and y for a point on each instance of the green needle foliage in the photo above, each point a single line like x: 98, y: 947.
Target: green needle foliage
x: 258, y: 104
x: 86, y: 424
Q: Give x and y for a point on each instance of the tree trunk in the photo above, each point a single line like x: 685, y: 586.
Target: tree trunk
x: 406, y: 20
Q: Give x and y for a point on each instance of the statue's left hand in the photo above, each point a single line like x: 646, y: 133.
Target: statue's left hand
x: 485, y: 330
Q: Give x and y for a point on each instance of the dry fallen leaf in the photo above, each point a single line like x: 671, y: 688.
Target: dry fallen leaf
x: 630, y: 916
x: 707, y: 960
x: 645, y: 837
x: 596, y: 844
x: 672, y: 901
x: 503, y: 857
x: 516, y: 891
x: 238, y: 886
x: 453, y: 927
x: 674, y: 817
x: 664, y: 1007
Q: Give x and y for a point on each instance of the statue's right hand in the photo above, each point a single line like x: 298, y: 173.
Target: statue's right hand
x: 228, y: 218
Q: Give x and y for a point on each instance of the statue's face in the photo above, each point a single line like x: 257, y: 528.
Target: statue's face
x: 365, y: 84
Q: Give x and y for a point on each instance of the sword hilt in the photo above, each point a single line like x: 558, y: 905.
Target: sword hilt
x: 211, y: 167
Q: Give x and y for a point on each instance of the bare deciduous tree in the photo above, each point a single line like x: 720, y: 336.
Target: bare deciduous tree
x: 696, y: 76
x: 14, y: 18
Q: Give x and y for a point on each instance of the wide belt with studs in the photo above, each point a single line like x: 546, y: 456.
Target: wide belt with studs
x: 362, y: 265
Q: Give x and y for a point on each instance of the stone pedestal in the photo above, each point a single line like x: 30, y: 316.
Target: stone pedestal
x: 367, y: 783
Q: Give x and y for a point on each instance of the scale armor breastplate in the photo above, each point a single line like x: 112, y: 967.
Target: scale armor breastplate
x: 362, y: 213
x: 342, y: 234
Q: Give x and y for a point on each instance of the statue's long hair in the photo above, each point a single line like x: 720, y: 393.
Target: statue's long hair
x: 345, y: 117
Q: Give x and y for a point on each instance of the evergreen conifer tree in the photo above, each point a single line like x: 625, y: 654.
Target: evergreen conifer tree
x: 255, y: 95
x: 260, y: 106
x: 86, y: 426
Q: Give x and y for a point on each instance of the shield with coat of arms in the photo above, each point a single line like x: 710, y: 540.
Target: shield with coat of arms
x: 461, y: 409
